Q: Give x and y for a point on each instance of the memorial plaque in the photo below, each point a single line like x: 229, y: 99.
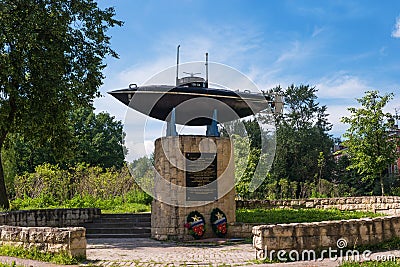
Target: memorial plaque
x: 200, y: 173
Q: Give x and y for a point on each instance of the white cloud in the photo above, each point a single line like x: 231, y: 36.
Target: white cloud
x: 341, y: 85
x: 140, y: 73
x: 317, y: 31
x: 293, y: 53
x: 336, y: 112
x: 338, y: 92
x: 231, y: 44
x: 396, y: 31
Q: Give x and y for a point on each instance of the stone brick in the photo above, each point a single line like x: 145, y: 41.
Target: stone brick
x: 287, y: 242
x: 78, y: 252
x: 78, y: 243
x: 328, y: 241
x: 173, y: 227
x: 377, y: 227
x: 311, y: 242
x: 46, y: 239
x: 323, y: 234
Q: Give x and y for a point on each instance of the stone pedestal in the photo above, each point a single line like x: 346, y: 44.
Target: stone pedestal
x: 174, y: 200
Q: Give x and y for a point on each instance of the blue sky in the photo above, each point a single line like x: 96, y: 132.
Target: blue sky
x: 342, y: 47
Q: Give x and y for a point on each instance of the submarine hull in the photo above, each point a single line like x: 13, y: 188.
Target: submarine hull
x: 194, y: 106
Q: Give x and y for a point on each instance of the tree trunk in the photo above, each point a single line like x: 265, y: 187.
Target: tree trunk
x: 382, y: 185
x: 4, y: 204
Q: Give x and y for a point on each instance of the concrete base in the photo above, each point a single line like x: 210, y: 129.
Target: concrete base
x: 171, y: 207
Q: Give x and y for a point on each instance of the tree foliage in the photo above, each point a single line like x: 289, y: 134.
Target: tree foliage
x: 303, y: 142
x: 51, y: 61
x: 303, y: 157
x: 372, y: 147
x: 96, y: 139
x: 79, y: 186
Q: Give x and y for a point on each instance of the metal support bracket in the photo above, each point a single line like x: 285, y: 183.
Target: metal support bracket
x: 212, y: 129
x: 171, y: 126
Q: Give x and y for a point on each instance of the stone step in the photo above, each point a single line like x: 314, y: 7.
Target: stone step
x: 120, y: 226
x: 117, y: 236
x: 126, y: 215
x: 132, y: 230
x: 116, y: 225
x: 122, y: 220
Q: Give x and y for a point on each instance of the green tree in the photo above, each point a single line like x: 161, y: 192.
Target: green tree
x: 303, y: 142
x: 371, y: 146
x: 96, y: 139
x: 51, y: 62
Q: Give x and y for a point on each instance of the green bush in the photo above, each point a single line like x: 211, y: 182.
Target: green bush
x: 48, y: 182
x: 79, y: 187
x: 138, y: 196
x: 101, y: 183
x: 117, y: 204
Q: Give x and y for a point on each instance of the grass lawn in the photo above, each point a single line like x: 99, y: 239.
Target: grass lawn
x: 272, y: 216
x: 113, y: 205
x: 9, y: 265
x: 372, y: 264
x: 128, y: 208
x: 35, y: 254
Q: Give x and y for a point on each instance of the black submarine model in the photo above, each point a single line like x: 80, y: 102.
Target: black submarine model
x: 191, y: 102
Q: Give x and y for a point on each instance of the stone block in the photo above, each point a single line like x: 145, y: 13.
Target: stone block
x: 78, y: 243
x: 376, y: 238
x: 270, y: 243
x: 36, y: 236
x: 328, y: 241
x: 364, y: 230
x: 78, y: 252
x: 311, y: 242
x: 349, y: 227
x: 377, y: 227
x: 57, y: 247
x: 287, y: 242
x: 77, y: 232
x: 300, y: 230
x: 309, y: 204
x: 395, y: 221
x: 365, y: 239
x: 282, y: 230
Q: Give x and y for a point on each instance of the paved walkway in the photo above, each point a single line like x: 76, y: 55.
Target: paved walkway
x: 148, y: 252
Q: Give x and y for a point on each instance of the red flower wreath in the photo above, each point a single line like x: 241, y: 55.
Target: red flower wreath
x: 196, y: 224
x: 219, y: 222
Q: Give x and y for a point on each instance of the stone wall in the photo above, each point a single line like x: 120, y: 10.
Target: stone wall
x: 388, y: 205
x: 317, y: 235
x: 49, y: 217
x: 169, y: 215
x: 241, y: 230
x: 46, y: 239
x: 37, y: 228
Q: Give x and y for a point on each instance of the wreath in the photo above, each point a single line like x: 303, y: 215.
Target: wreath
x: 219, y: 222
x: 196, y: 224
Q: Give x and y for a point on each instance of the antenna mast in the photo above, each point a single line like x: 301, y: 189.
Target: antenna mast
x: 177, y: 65
x: 206, y: 83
